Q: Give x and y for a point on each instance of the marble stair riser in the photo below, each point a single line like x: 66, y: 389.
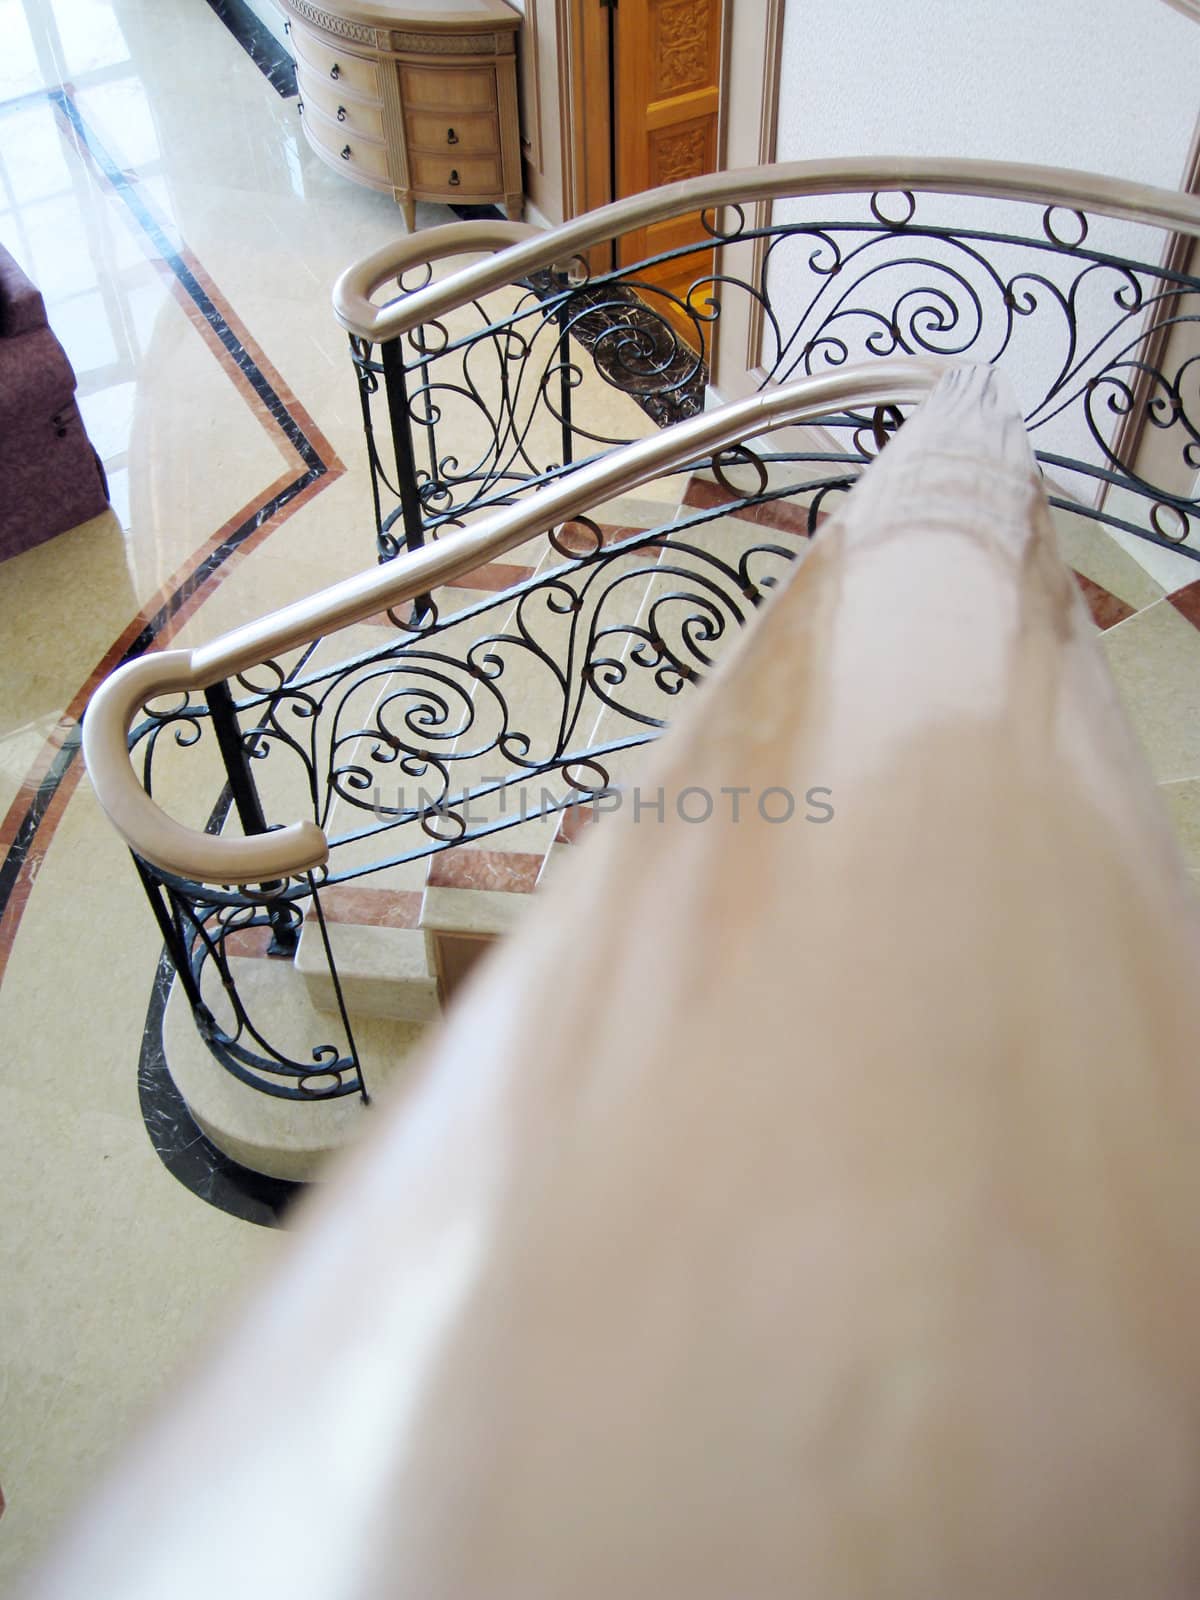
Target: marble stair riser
x: 282, y: 1138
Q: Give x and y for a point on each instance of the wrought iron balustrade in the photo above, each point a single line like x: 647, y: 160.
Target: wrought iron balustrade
x: 478, y: 438
x: 479, y: 400
x: 373, y: 746
x: 378, y: 759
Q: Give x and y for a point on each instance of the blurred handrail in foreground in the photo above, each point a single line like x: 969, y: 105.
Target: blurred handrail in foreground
x: 791, y: 1207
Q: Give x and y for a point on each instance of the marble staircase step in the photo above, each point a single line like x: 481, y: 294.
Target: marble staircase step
x: 283, y: 1138
x: 383, y: 971
x: 474, y: 895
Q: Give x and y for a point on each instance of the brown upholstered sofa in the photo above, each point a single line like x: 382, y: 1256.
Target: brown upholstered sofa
x: 50, y: 477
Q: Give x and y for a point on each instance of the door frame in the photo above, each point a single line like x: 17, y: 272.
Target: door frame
x: 582, y: 28
x: 583, y: 99
x: 747, y: 118
x: 748, y: 126
x: 1181, y: 253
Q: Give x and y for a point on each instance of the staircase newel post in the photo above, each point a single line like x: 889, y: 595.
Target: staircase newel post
x: 248, y: 803
x: 160, y: 899
x: 399, y: 417
x: 360, y: 355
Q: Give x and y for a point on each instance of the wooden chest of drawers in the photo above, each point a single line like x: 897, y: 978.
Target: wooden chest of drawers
x: 420, y: 99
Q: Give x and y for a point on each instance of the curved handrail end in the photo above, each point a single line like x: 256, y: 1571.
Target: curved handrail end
x: 352, y: 291
x: 143, y: 824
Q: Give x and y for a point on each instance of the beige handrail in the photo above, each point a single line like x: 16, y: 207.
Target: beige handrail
x: 1046, y: 186
x: 296, y: 848
x: 411, y: 251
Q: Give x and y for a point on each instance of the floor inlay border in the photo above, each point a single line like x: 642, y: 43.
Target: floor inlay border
x: 260, y: 44
x: 28, y: 827
x: 182, y: 1148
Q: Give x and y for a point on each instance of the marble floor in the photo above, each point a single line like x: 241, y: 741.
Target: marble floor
x: 154, y: 184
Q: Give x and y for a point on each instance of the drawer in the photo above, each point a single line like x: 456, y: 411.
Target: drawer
x: 356, y: 116
x: 470, y: 175
x: 470, y: 135
x: 449, y: 89
x: 360, y: 157
x: 353, y: 73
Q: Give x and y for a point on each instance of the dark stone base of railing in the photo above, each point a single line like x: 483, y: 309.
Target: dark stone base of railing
x: 181, y: 1147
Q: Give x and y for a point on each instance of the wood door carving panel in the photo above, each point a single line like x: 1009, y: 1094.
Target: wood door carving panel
x: 683, y: 45
x: 678, y: 153
x: 667, y: 61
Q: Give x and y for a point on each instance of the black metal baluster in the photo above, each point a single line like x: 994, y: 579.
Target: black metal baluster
x: 249, y: 807
x: 337, y: 989
x: 360, y: 352
x: 406, y: 466
x: 564, y: 382
x: 180, y: 956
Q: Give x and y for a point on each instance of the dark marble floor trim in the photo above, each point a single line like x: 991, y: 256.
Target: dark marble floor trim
x: 187, y: 1153
x: 181, y: 1147
x: 259, y: 43
x: 30, y: 825
x: 20, y: 830
x: 184, y: 271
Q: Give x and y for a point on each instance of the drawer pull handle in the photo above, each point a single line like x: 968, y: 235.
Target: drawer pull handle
x: 346, y: 153
x: 451, y: 136
x: 335, y: 71
x: 300, y: 107
x: 454, y: 177
x: 341, y: 113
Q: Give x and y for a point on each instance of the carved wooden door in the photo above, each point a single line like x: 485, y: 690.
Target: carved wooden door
x: 667, y: 63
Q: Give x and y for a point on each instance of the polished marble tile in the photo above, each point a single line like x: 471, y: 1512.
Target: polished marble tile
x: 1169, y: 568
x: 1155, y: 660
x: 93, y: 1330
x: 472, y: 913
x: 1182, y: 799
x: 1187, y: 602
x: 36, y: 679
x: 113, y: 1268
x: 499, y: 871
x: 89, y: 35
x: 1105, y: 607
x: 369, y: 906
x: 1092, y: 551
x: 19, y: 69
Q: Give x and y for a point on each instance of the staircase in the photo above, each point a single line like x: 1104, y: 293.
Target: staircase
x: 425, y: 743
x: 405, y: 937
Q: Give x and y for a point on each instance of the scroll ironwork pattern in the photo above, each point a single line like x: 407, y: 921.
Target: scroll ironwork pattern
x: 1094, y: 341
x: 390, y: 750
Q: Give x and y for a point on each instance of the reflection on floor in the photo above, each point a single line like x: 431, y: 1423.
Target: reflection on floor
x: 154, y: 184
